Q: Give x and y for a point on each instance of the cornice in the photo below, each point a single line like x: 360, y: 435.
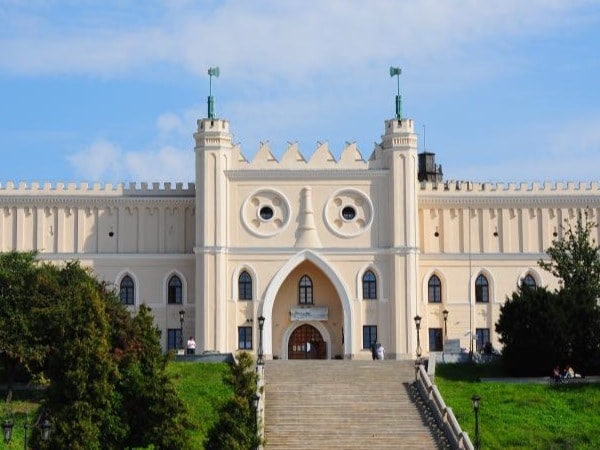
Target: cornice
x: 26, y: 200
x: 530, y: 200
x: 305, y: 174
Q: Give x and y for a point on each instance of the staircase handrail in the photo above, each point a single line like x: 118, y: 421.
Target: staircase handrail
x: 443, y: 414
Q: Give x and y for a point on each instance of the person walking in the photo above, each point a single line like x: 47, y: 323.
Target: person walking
x: 380, y: 351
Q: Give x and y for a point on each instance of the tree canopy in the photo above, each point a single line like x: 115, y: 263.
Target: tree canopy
x: 539, y: 328
x: 108, y: 386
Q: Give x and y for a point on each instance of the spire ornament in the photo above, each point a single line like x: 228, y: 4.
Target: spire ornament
x: 395, y: 72
x: 212, y: 72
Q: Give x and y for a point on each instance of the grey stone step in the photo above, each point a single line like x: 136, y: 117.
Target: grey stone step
x: 343, y: 405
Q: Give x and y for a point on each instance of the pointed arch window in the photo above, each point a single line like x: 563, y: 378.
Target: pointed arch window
x: 175, y: 291
x: 369, y: 285
x: 305, y: 291
x: 244, y: 286
x: 434, y: 288
x: 127, y: 290
x: 482, y: 289
x: 529, y: 281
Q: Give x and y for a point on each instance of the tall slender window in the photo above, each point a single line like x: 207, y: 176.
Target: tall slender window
x: 245, y: 286
x: 369, y: 335
x: 175, y: 291
x: 127, y: 291
x: 529, y: 282
x: 434, y: 289
x: 482, y: 290
x: 305, y: 291
x: 369, y: 285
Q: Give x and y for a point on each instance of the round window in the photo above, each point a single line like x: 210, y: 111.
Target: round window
x: 266, y: 213
x: 348, y: 213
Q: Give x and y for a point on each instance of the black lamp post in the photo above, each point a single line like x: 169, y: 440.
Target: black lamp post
x: 261, y: 323
x: 475, y: 399
x: 418, y: 325
x: 181, y: 319
x: 45, y: 426
x: 445, y: 313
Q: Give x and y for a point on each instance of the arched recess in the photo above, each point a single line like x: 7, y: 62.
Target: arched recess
x: 165, y: 284
x: 491, y: 284
x: 425, y: 287
x: 136, y: 285
x: 280, y: 277
x: 529, y: 271
x: 378, y: 278
x: 293, y: 326
x: 235, y: 278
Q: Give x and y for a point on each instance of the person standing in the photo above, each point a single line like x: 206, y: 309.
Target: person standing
x: 380, y: 351
x: 191, y: 346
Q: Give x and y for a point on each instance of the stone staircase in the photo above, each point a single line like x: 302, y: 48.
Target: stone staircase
x: 346, y: 405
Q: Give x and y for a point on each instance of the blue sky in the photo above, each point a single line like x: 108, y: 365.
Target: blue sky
x: 110, y: 90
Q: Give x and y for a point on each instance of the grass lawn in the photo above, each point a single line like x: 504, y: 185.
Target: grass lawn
x: 528, y: 416
x: 201, y: 387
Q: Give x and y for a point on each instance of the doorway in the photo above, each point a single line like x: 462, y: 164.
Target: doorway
x: 306, y: 342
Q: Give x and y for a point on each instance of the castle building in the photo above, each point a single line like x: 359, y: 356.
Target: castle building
x: 332, y: 255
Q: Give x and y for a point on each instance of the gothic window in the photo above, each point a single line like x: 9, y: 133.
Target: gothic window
x: 245, y: 286
x: 482, y: 289
x: 369, y: 285
x: 305, y: 291
x: 127, y: 291
x: 175, y: 291
x: 434, y: 288
x: 529, y: 281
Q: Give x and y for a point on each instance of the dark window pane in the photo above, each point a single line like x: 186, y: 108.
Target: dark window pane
x: 482, y: 294
x: 436, y: 340
x: 369, y: 283
x: 127, y: 291
x: 435, y: 289
x: 245, y: 286
x: 245, y: 338
x: 369, y: 335
x: 175, y: 292
x: 305, y: 291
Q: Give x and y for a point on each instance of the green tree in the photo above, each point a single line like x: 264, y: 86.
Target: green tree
x: 575, y: 260
x: 108, y: 384
x: 236, y: 428
x: 20, y: 345
x: 540, y: 329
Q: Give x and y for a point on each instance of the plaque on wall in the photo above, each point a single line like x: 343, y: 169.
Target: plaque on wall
x: 309, y: 313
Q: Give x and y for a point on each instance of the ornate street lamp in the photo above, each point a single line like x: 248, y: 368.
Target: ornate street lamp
x: 45, y: 426
x: 445, y: 313
x: 475, y: 400
x: 418, y: 325
x: 181, y: 319
x: 261, y: 322
x: 7, y: 429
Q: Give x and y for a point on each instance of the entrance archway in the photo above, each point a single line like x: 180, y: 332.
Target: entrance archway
x: 306, y: 342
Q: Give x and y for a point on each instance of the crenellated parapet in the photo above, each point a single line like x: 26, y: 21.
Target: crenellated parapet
x: 451, y: 187
x: 293, y: 159
x: 97, y: 189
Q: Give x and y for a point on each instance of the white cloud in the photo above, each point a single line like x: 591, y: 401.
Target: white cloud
x: 274, y: 39
x: 167, y: 164
x: 100, y: 161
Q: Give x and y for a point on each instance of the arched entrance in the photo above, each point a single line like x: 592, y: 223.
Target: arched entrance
x: 306, y: 342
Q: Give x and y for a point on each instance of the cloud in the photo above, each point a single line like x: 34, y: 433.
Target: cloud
x: 99, y: 161
x: 270, y: 39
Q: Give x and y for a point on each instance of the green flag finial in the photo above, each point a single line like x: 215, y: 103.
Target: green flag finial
x: 212, y: 72
x: 395, y: 72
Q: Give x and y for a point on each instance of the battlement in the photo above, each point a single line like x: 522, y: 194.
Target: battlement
x: 292, y: 158
x: 549, y: 188
x: 97, y: 189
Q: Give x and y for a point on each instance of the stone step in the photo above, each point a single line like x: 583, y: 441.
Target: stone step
x: 342, y: 405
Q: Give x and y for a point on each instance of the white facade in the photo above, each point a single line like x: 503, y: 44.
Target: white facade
x: 301, y: 242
